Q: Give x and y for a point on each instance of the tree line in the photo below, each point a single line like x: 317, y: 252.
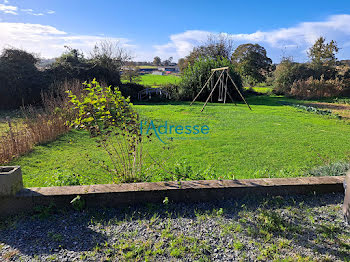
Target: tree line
x: 322, y: 76
x: 23, y: 83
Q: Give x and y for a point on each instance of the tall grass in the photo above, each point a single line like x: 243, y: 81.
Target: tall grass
x: 39, y: 125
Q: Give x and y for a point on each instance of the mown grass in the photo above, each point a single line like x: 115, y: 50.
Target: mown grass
x: 261, y: 89
x: 273, y: 140
x: 158, y: 80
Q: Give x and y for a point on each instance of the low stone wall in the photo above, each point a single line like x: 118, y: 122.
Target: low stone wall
x: 117, y: 195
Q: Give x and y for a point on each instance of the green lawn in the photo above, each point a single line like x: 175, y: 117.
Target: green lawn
x: 273, y: 140
x: 261, y: 89
x: 158, y: 80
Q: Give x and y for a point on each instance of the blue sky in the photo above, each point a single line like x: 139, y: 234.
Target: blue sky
x: 173, y: 28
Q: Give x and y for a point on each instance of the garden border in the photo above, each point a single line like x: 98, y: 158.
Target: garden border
x: 118, y: 195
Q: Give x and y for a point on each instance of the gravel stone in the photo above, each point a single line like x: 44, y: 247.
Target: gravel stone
x: 250, y: 229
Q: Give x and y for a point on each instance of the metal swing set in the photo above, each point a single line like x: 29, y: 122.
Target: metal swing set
x: 221, y: 83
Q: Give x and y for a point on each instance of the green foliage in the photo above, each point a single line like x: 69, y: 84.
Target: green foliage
x: 150, y: 80
x: 20, y: 80
x: 255, y: 143
x: 181, y: 64
x: 318, y: 79
x: 43, y: 212
x: 78, y: 203
x: 73, y: 65
x: 131, y: 74
x: 110, y: 117
x: 65, y: 178
x: 286, y: 73
x: 100, y: 109
x: 157, y: 61
x: 166, y: 201
x: 322, y: 53
x: 216, y: 46
x: 252, y: 63
x: 195, y: 76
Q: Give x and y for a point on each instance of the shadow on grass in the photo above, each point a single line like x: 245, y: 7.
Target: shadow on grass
x: 264, y: 100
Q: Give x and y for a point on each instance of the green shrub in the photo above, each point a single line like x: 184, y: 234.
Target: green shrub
x: 195, y: 76
x: 286, y: 73
x: 21, y: 83
x: 109, y: 117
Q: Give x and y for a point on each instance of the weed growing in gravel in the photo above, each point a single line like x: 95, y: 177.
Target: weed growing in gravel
x: 238, y: 245
x: 55, y: 236
x: 44, y: 212
x: 231, y: 228
x: 78, y: 203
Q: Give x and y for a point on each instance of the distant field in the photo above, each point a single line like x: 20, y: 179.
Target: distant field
x: 14, y: 115
x: 144, y: 67
x: 158, y: 80
x: 272, y: 140
x: 260, y: 89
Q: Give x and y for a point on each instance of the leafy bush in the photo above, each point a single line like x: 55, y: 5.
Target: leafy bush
x: 131, y: 90
x: 286, y: 73
x: 73, y: 65
x: 109, y: 117
x: 195, y: 76
x: 307, y: 81
x: 21, y: 83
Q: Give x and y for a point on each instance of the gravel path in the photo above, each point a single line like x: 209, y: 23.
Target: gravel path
x: 293, y: 228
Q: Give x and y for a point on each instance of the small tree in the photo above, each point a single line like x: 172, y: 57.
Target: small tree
x: 182, y: 64
x: 252, y: 62
x: 322, y: 53
x: 287, y: 72
x: 157, y: 61
x: 131, y: 74
x: 109, y: 117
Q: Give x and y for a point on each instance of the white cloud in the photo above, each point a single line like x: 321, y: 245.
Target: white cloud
x: 299, y: 37
x: 31, y: 12
x: 8, y: 9
x: 46, y: 40
x: 50, y: 12
x: 27, y: 10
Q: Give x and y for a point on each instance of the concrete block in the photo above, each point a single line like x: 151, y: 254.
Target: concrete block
x: 10, y: 180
